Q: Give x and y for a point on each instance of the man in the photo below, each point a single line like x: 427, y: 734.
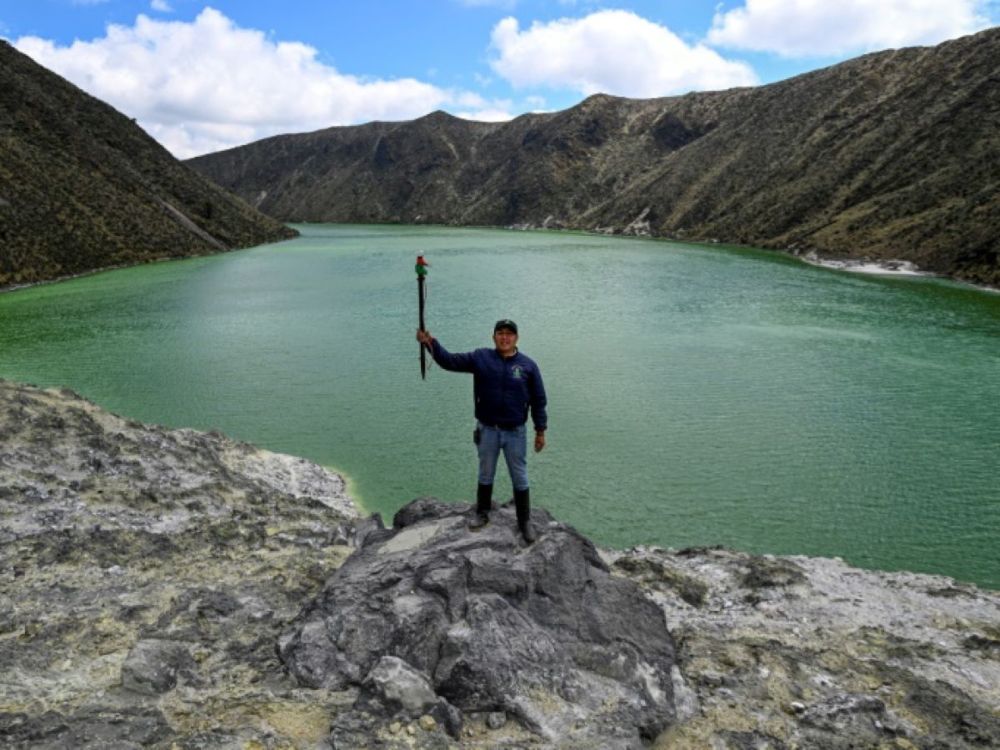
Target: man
x: 506, y: 386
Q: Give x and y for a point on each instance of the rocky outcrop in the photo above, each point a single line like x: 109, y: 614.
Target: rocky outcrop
x: 146, y: 575
x: 887, y: 156
x: 481, y: 624
x: 175, y: 589
x: 83, y: 187
x: 786, y: 652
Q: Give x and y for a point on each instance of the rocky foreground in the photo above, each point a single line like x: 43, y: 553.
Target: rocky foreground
x: 174, y: 589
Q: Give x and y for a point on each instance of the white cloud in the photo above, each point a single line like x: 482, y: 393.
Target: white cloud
x: 208, y: 84
x: 472, y: 106
x: 612, y: 52
x: 487, y: 114
x: 161, y: 6
x: 815, y: 28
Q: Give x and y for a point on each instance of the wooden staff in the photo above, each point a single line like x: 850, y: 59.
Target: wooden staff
x: 421, y: 268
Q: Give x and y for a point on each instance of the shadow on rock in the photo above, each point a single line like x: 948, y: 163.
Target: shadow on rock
x: 428, y: 618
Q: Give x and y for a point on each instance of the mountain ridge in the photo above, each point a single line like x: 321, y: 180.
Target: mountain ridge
x: 886, y: 156
x: 82, y: 187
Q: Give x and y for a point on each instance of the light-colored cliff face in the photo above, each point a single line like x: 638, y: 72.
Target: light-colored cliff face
x: 148, y: 575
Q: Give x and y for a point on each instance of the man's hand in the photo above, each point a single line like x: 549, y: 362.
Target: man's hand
x: 424, y: 337
x: 539, y: 441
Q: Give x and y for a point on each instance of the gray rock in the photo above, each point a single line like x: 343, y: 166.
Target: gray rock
x: 543, y: 632
x: 839, y: 711
x: 685, y: 698
x: 91, y: 726
x: 496, y: 719
x: 153, y: 666
x: 448, y: 716
x: 398, y: 683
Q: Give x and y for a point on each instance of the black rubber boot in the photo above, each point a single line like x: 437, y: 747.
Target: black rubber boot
x: 522, y: 504
x: 484, y: 502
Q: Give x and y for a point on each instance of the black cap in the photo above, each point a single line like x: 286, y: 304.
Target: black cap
x: 508, y: 324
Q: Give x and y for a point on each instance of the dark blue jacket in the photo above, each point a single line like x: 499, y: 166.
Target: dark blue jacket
x: 504, y: 389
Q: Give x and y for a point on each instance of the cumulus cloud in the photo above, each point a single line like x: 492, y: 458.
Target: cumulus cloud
x: 471, y: 106
x: 815, y: 28
x: 486, y: 114
x: 208, y: 84
x: 612, y: 52
x: 162, y: 6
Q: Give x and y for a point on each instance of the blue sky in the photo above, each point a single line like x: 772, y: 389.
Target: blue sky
x: 205, y: 75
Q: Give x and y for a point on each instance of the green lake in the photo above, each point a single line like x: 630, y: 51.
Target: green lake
x: 697, y: 395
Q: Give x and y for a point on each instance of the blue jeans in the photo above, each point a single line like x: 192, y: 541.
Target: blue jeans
x: 514, y: 444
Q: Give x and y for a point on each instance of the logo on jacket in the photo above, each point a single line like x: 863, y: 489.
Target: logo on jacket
x: 517, y: 372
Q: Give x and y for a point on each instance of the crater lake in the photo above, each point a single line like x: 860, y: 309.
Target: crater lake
x: 697, y: 395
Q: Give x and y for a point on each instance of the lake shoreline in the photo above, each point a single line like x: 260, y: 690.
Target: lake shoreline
x: 888, y: 267
x: 344, y: 501
x: 6, y: 288
x: 94, y: 271
x: 893, y: 268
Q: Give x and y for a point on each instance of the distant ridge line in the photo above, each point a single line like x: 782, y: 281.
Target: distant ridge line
x: 887, y: 156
